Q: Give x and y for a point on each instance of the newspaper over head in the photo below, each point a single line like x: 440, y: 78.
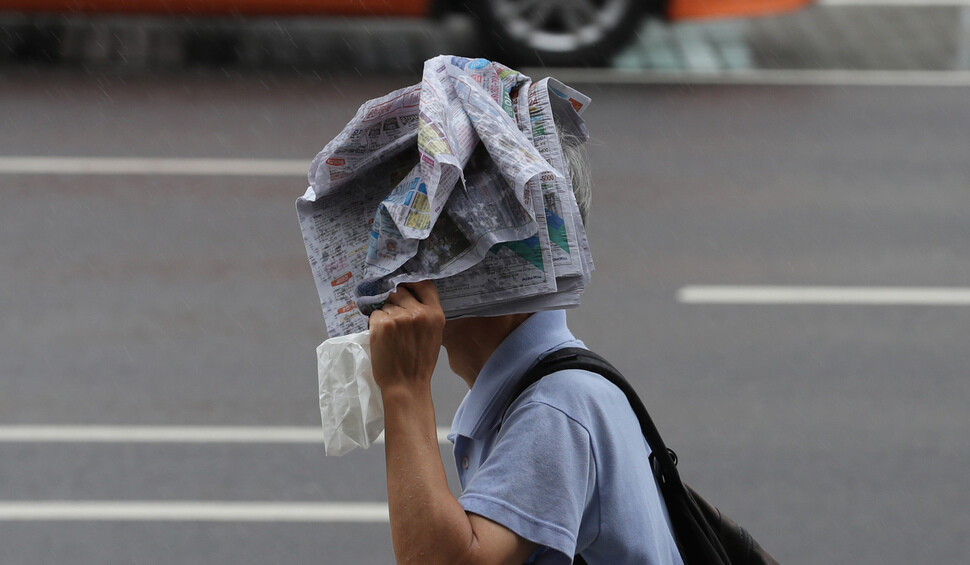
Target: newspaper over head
x: 460, y: 179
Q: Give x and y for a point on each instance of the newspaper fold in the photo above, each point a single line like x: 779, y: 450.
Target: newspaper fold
x: 461, y: 179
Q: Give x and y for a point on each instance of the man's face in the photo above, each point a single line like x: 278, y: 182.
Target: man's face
x: 454, y: 329
x: 460, y: 338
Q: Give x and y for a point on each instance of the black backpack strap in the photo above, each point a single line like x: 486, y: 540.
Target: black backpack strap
x: 663, y: 460
x: 702, y: 533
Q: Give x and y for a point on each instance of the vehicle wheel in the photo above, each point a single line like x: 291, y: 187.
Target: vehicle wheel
x: 556, y: 32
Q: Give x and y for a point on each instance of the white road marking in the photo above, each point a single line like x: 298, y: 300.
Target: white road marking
x: 765, y: 77
x: 928, y: 296
x: 187, y: 511
x: 169, y: 434
x: 152, y: 166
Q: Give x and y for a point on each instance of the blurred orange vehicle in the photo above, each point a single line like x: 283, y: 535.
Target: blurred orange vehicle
x: 548, y: 32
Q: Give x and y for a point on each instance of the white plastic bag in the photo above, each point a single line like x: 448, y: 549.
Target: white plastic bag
x: 350, y: 400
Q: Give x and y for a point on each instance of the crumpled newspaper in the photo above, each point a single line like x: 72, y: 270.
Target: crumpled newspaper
x: 510, y: 238
x: 350, y: 400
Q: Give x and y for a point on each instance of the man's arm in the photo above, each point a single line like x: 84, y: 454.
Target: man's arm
x: 428, y: 525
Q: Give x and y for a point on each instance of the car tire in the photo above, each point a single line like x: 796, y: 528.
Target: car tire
x: 556, y: 32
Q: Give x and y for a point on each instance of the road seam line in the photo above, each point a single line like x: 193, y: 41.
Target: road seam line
x: 896, y: 3
x: 763, y: 77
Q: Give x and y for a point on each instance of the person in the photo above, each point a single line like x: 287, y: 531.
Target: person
x: 562, y: 470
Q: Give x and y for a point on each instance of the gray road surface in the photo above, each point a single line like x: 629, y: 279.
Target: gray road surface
x: 837, y: 434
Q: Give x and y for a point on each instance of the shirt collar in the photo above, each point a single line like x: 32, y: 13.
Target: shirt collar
x: 482, y: 407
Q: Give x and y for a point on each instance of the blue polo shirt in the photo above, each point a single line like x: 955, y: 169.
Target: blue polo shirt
x: 568, y: 469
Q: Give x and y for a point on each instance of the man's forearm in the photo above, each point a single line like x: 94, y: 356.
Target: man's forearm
x: 428, y: 525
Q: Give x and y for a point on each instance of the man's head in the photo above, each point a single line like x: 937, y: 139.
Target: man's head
x: 470, y: 341
x: 577, y: 165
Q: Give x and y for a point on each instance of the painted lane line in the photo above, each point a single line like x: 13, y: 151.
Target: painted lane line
x: 170, y: 434
x: 189, y: 511
x: 920, y: 296
x: 765, y: 77
x: 152, y: 166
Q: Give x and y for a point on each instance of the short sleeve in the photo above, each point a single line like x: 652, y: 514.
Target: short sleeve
x: 538, y: 477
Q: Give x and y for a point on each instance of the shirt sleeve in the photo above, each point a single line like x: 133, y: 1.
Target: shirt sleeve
x: 537, y: 479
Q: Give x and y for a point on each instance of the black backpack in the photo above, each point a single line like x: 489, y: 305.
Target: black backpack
x: 703, y: 534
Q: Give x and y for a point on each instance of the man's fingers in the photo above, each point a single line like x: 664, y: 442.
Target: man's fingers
x: 425, y: 292
x: 375, y: 318
x: 401, y: 297
x: 387, y: 312
x: 408, y: 294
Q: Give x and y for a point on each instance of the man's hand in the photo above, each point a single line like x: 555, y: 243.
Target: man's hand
x: 405, y: 337
x: 428, y: 525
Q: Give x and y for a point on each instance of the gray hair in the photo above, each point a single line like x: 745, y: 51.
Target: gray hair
x: 577, y: 165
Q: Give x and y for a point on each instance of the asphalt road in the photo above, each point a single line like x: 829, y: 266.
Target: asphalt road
x: 835, y: 433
